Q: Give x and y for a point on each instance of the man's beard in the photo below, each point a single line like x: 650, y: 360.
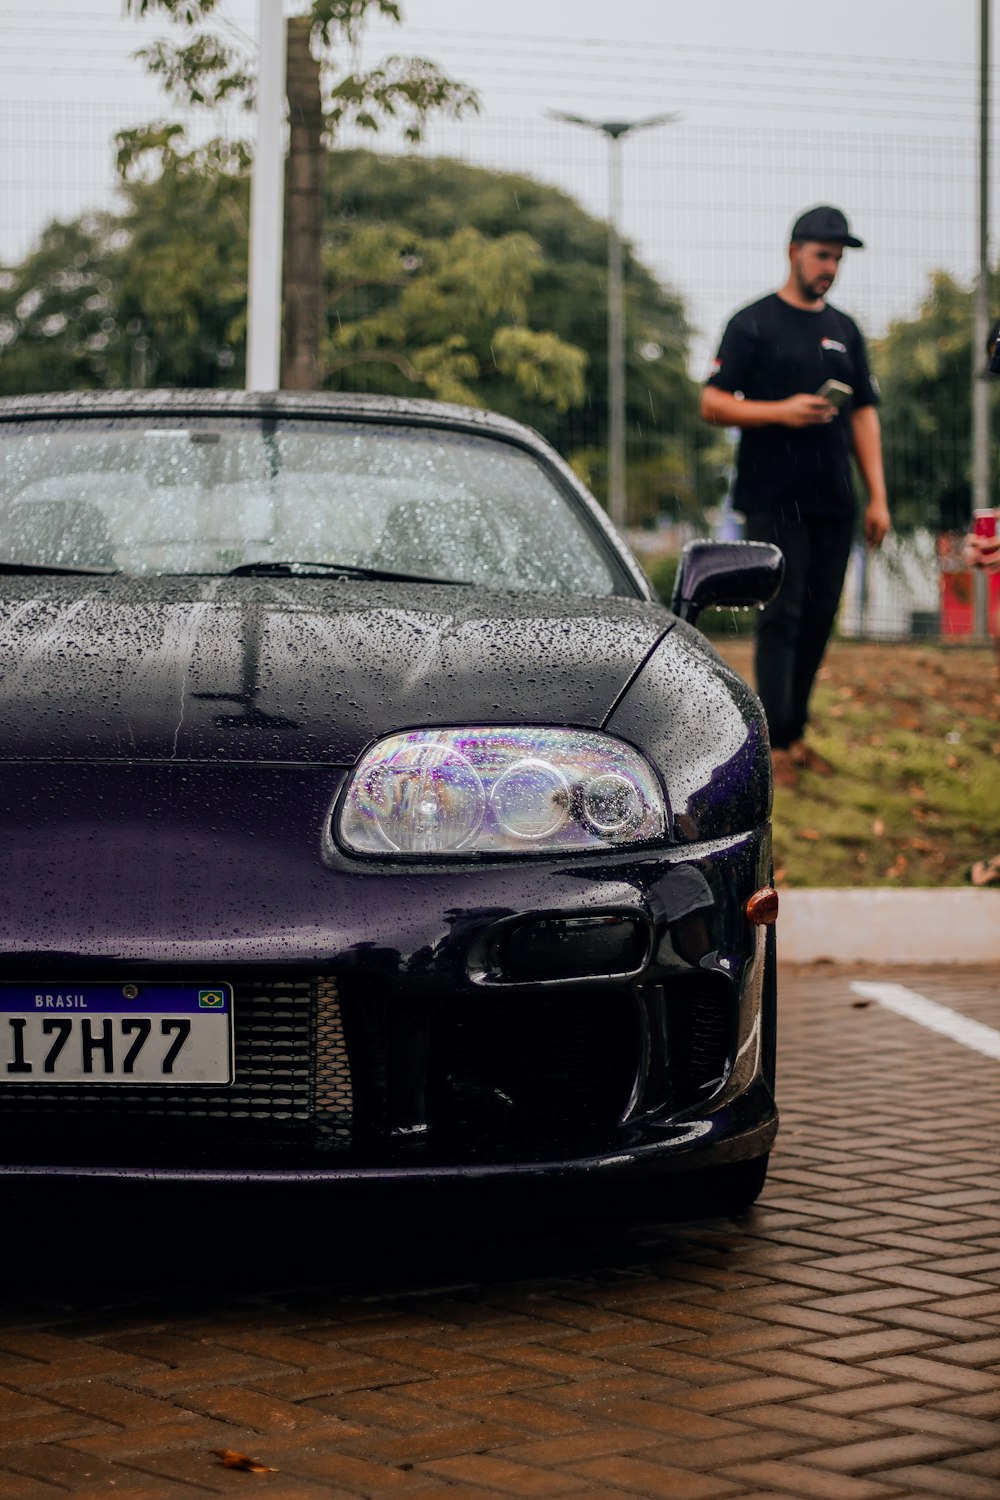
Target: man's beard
x: 816, y: 289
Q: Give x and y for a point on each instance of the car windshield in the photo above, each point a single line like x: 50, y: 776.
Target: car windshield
x: 203, y: 495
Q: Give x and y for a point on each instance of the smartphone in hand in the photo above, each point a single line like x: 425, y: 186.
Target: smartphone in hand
x: 835, y: 391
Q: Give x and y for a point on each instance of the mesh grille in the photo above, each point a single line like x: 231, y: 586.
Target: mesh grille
x: 333, y: 1093
x: 701, y: 1028
x: 291, y: 1070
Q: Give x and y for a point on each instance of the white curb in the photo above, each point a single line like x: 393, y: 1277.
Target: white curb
x: 884, y: 926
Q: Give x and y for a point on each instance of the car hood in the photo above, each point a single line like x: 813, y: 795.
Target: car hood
x: 295, y: 670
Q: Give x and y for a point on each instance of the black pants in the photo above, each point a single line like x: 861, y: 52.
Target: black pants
x: 793, y: 629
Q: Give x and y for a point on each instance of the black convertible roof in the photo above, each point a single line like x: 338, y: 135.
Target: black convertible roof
x: 263, y: 403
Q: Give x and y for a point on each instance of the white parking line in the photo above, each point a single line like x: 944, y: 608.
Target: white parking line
x: 935, y: 1017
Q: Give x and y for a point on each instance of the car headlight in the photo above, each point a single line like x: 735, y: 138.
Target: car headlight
x: 499, y: 791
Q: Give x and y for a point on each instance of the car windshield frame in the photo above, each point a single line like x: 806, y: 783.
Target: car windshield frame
x: 207, y: 422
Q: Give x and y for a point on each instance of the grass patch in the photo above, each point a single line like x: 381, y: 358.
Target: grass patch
x: 913, y: 735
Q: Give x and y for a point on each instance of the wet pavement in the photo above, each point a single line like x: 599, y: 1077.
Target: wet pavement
x: 841, y: 1340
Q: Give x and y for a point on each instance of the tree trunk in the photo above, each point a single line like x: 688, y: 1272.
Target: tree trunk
x: 302, y: 259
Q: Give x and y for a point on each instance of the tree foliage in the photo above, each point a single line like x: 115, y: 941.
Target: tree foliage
x: 445, y: 280
x: 924, y: 365
x: 472, y: 286
x: 206, y: 68
x: 448, y: 312
x: 322, y: 95
x: 411, y: 199
x: 155, y: 294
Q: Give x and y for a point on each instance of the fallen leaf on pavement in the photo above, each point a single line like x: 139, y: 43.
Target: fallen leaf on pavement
x: 810, y: 833
x: 233, y: 1460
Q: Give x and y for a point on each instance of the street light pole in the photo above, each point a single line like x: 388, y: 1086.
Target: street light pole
x: 614, y: 131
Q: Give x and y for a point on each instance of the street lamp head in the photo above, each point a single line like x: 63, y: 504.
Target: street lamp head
x: 670, y: 118
x: 559, y: 114
x: 614, y: 128
x: 613, y: 131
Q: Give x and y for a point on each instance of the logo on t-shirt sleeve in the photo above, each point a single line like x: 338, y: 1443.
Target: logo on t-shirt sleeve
x: 834, y: 345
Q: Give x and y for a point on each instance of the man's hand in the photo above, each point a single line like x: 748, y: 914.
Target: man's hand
x: 724, y: 409
x: 867, y: 435
x: 983, y: 552
x: 805, y: 411
x: 877, y: 522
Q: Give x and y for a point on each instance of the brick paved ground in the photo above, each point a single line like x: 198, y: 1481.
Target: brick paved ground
x: 842, y: 1340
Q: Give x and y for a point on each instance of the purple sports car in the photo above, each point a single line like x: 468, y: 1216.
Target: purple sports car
x: 364, y: 812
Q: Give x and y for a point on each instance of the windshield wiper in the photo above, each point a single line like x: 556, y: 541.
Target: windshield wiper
x: 265, y: 568
x: 19, y: 567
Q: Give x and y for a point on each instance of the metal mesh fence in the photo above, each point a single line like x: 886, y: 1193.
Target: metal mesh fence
x: 707, y: 210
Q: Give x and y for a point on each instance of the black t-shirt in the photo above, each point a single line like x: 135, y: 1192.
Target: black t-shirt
x: 771, y: 350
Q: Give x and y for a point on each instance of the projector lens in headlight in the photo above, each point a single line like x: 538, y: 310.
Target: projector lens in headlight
x: 487, y: 790
x: 531, y: 800
x: 610, y: 803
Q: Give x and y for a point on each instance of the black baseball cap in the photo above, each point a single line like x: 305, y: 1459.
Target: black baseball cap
x: 825, y: 223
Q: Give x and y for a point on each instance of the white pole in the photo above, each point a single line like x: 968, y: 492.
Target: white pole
x: 267, y: 193
x: 981, y: 323
x: 616, y: 339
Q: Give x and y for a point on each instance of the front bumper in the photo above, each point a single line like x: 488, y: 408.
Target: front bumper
x: 388, y: 1024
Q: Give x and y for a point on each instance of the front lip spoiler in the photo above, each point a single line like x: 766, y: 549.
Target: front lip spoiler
x: 742, y: 1129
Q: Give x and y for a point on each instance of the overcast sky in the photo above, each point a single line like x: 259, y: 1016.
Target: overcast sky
x: 867, y: 103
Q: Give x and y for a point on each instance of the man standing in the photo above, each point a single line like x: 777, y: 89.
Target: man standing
x: 793, y: 476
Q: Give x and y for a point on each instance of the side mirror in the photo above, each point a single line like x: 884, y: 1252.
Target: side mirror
x: 729, y: 574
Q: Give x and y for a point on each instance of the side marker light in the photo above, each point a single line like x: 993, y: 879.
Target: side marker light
x: 762, y: 907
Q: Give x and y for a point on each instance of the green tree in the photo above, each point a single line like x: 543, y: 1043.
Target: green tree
x: 155, y: 294
x: 158, y: 294
x: 324, y: 91
x: 668, y: 447
x: 448, y: 313
x: 207, y: 69
x: 446, y: 280
x: 924, y: 365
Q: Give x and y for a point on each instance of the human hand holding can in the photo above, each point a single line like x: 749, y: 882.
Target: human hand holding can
x: 983, y: 544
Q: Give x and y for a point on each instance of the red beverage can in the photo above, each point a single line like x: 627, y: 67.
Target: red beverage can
x: 984, y: 522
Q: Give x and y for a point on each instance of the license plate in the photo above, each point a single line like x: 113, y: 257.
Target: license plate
x: 116, y: 1033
